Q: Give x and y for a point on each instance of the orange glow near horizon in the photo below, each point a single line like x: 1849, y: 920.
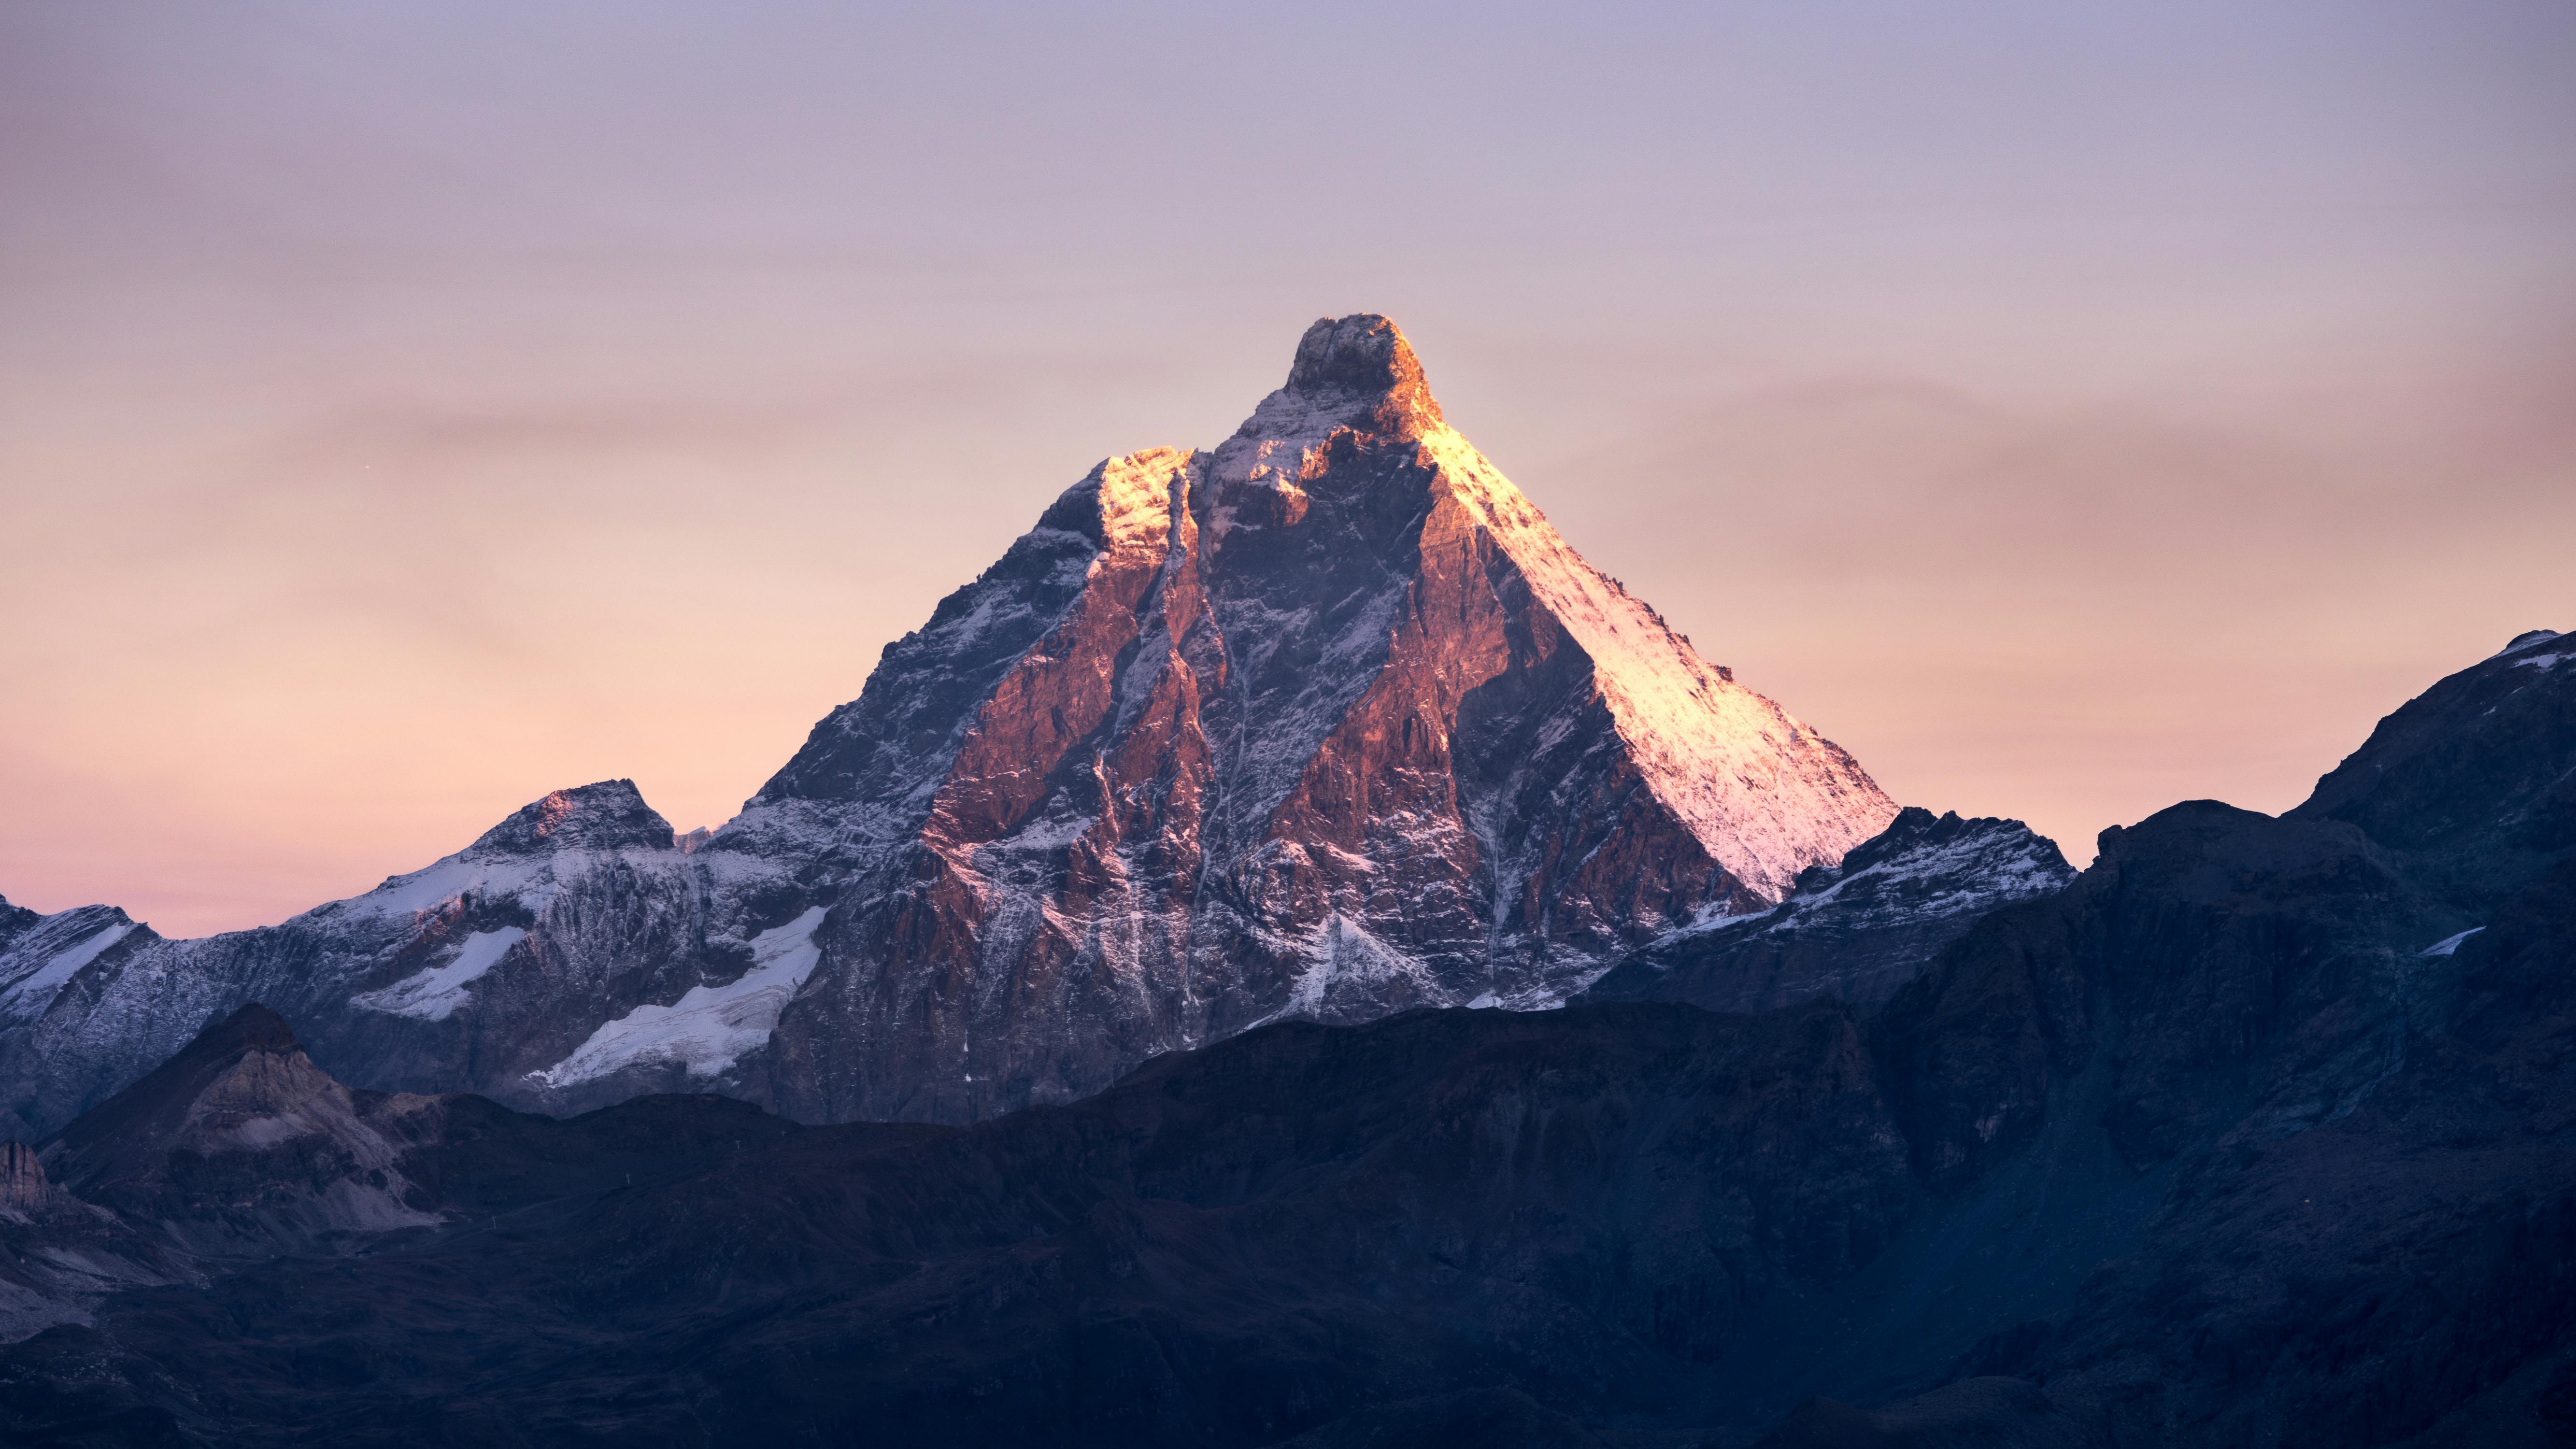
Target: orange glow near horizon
x: 397, y: 425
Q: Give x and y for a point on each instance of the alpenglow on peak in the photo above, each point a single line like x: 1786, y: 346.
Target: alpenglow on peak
x: 1327, y: 721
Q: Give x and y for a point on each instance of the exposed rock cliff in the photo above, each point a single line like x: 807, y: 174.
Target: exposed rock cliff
x: 1325, y: 723
x: 494, y: 962
x: 1857, y: 930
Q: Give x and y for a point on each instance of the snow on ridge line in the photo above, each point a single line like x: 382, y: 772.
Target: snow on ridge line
x: 435, y: 992
x: 1135, y: 498
x: 65, y: 964
x: 711, y: 1027
x: 1696, y: 733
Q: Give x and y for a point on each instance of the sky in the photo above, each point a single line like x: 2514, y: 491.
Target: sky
x: 2069, y: 408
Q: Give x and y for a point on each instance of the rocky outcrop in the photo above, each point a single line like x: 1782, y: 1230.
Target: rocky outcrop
x: 487, y: 965
x: 2474, y: 780
x: 240, y: 1151
x: 1857, y: 930
x: 14, y: 922
x: 24, y: 1188
x: 1324, y: 723
x: 240, y: 1144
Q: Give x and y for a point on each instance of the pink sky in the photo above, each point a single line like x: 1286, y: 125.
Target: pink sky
x: 403, y: 416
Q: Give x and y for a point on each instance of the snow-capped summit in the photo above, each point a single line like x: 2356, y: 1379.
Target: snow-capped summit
x: 1327, y: 722
x: 606, y: 816
x: 496, y: 960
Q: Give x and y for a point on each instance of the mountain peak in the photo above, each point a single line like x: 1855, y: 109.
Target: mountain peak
x: 239, y: 1140
x: 1352, y: 374
x: 254, y: 1044
x: 603, y: 816
x: 253, y: 1028
x: 1364, y: 357
x: 2476, y: 775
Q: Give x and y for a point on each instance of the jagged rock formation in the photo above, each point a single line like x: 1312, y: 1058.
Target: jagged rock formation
x: 24, y: 1188
x: 1324, y: 723
x: 492, y: 963
x: 239, y: 1144
x: 1857, y: 930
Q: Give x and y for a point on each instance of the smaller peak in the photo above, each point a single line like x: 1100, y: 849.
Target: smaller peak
x: 1364, y: 357
x: 2529, y: 638
x: 159, y: 1103
x: 1916, y: 829
x: 604, y: 816
x: 253, y: 1028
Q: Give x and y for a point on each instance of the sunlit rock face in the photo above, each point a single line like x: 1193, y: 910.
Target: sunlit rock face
x: 1324, y: 722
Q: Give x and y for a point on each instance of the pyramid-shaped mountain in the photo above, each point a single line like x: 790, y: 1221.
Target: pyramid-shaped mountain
x: 1325, y: 722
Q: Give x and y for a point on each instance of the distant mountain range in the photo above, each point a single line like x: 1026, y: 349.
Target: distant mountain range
x: 1098, y: 981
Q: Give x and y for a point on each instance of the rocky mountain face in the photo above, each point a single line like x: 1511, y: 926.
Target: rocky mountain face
x: 1324, y: 723
x: 239, y: 1145
x: 2262, y: 1132
x: 492, y: 963
x: 2473, y: 781
x: 1857, y: 930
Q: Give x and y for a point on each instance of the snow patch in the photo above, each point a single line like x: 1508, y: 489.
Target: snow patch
x: 2449, y: 945
x: 40, y: 985
x: 1762, y: 792
x: 1043, y: 833
x: 1343, y: 951
x: 711, y: 1027
x: 1136, y: 499
x: 434, y: 994
x: 504, y: 877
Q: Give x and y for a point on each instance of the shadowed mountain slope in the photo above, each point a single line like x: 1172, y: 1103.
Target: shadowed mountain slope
x: 1857, y: 930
